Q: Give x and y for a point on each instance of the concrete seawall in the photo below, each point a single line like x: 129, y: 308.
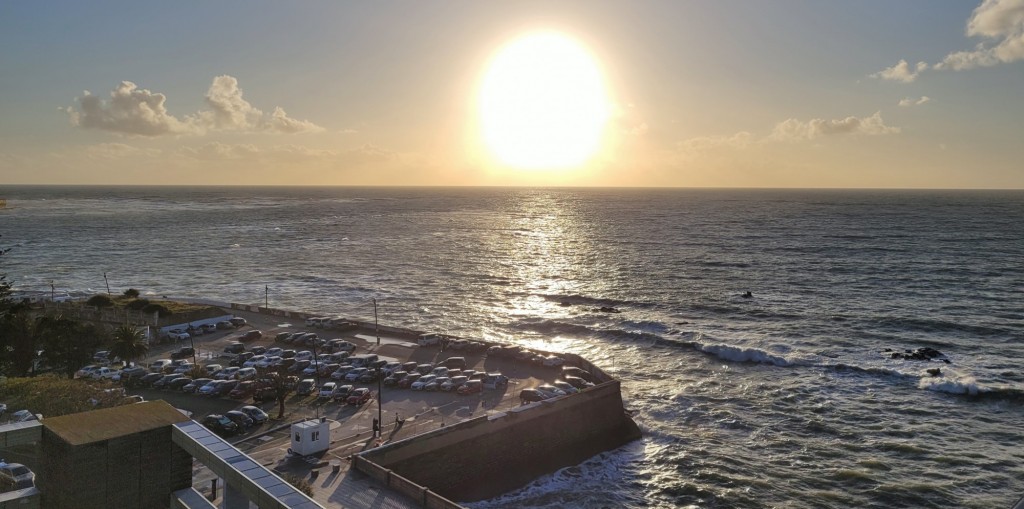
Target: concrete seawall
x: 487, y: 456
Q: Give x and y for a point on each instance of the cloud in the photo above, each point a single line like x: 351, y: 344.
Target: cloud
x: 740, y: 140
x: 138, y: 112
x: 1001, y: 21
x: 902, y: 72
x: 130, y: 111
x: 910, y: 101
x: 799, y: 130
x: 214, y: 151
x: 118, y: 151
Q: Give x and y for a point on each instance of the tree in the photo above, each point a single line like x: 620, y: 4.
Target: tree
x: 129, y: 344
x: 157, y: 308
x: 100, y: 301
x: 281, y: 386
x: 67, y: 344
x: 20, y: 343
x: 131, y: 293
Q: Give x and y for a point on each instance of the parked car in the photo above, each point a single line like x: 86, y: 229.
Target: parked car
x: 212, y: 368
x: 208, y: 327
x: 300, y: 366
x: 429, y: 339
x: 359, y: 396
x: 551, y: 391
x: 304, y: 355
x: 128, y: 373
x: 341, y: 371
x: 183, y: 368
x: 257, y: 415
x: 224, y: 324
x: 411, y: 378
x: 178, y: 335
x: 178, y: 383
x: 342, y: 392
x: 251, y: 361
x: 220, y: 425
x: 251, y: 335
x: 103, y: 372
x: 258, y: 350
x: 264, y: 394
x: 15, y: 476
x: 409, y: 367
x: 194, y: 385
x: 354, y: 375
x: 227, y: 373
x: 390, y: 367
x: 209, y: 388
x: 435, y: 384
x: 288, y: 354
x: 246, y: 374
x: 243, y: 390
x: 531, y: 395
x: 577, y: 382
x: 424, y: 368
x: 439, y: 371
x: 238, y: 321
x: 225, y: 387
x: 578, y: 372
x: 420, y: 384
x: 281, y: 336
x: 340, y: 345
x: 273, y: 352
x: 395, y: 377
x: 240, y: 418
x: 471, y: 387
x: 24, y: 416
x: 305, y: 387
x: 158, y: 365
x: 234, y: 347
x: 326, y: 390
x: 240, y: 359
x: 162, y: 383
x: 101, y: 356
x: 453, y: 383
x: 454, y: 362
x: 495, y: 381
x: 147, y: 380
x: 566, y: 387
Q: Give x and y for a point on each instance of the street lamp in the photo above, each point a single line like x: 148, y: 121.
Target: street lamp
x: 380, y: 403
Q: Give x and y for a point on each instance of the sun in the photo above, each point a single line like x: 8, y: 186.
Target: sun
x: 542, y: 103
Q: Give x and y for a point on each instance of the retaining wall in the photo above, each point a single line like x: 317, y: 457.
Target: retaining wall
x: 498, y: 453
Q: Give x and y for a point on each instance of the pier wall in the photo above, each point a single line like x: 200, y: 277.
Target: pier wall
x: 501, y: 452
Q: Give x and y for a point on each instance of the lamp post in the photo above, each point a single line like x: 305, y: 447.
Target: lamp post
x: 380, y: 403
x: 376, y: 328
x: 266, y: 296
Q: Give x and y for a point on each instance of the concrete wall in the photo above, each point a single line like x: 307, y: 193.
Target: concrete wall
x: 137, y: 470
x: 496, y: 454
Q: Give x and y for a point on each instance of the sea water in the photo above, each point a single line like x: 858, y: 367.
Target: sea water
x: 788, y: 398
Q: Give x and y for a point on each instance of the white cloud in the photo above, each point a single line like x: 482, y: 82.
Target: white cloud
x: 740, y: 140
x: 138, y: 112
x: 902, y: 72
x: 799, y: 130
x: 130, y: 111
x: 118, y: 151
x: 1001, y: 22
x: 910, y: 101
x: 289, y: 153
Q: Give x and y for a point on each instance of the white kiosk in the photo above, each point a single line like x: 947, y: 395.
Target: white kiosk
x: 310, y: 437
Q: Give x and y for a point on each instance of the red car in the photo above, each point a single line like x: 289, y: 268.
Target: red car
x: 471, y: 387
x: 359, y: 396
x: 243, y: 390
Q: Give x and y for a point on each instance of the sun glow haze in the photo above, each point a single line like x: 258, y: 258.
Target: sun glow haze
x: 542, y: 103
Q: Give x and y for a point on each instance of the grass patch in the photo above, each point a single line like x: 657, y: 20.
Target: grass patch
x: 53, y: 396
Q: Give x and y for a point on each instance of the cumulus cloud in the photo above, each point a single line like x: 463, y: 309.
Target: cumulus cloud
x: 799, y: 130
x: 130, y: 110
x: 910, y: 101
x: 1000, y: 21
x: 902, y: 72
x: 138, y: 112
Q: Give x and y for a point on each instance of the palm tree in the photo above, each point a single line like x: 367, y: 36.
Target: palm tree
x: 129, y: 344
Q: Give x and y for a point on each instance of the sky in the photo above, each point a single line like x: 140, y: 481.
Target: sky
x: 698, y: 93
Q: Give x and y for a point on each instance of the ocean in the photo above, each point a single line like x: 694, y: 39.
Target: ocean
x: 789, y: 398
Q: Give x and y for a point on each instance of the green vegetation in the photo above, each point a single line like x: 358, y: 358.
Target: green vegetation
x: 100, y: 301
x: 156, y: 308
x: 137, y: 304
x: 52, y: 396
x: 129, y: 343
x: 300, y: 483
x: 131, y: 293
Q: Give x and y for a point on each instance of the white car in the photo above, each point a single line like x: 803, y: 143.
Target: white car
x: 213, y: 368
x: 565, y: 386
x: 275, y: 351
x: 354, y: 375
x: 209, y: 327
x: 87, y: 371
x: 158, y: 365
x: 104, y: 373
x: 304, y: 355
x: 178, y: 335
x: 327, y: 390
x: 550, y: 391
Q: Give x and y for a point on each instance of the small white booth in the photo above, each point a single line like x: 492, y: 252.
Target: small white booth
x: 310, y: 437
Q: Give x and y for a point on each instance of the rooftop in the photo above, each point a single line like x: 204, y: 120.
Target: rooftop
x: 107, y: 423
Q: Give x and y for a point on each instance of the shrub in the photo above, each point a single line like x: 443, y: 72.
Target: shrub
x: 300, y: 483
x: 100, y: 301
x: 131, y: 293
x: 137, y: 304
x: 157, y: 308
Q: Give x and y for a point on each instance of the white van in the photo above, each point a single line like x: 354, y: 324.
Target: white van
x: 429, y: 339
x: 158, y: 366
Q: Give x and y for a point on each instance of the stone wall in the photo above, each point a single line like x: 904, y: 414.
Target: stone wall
x: 498, y: 453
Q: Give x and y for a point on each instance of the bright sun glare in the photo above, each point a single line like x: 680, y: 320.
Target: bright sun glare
x: 543, y: 103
